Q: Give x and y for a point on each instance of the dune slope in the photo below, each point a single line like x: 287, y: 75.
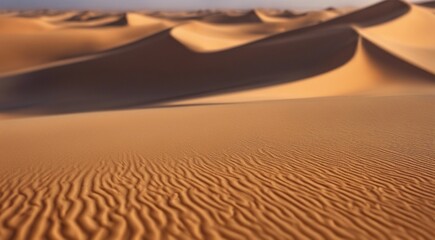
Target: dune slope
x: 137, y: 74
x: 371, y: 70
x: 407, y: 37
x: 209, y: 58
x: 50, y: 42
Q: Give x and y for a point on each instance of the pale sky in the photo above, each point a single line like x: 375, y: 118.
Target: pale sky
x: 178, y: 4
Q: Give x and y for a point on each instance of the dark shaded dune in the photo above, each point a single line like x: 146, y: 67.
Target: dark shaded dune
x: 74, y: 18
x: 386, y: 60
x: 181, y: 16
x: 370, y: 69
x: 39, y: 13
x: 376, y: 14
x: 430, y: 4
x: 160, y: 68
x: 112, y: 21
x: 283, y: 14
x: 121, y: 20
x: 248, y: 17
x: 90, y: 16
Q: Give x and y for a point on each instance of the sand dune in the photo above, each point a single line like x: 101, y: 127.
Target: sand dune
x: 280, y: 13
x: 261, y: 124
x: 137, y: 19
x: 201, y: 37
x: 19, y: 52
x: 181, y: 16
x: 107, y: 21
x: 370, y: 71
x: 377, y: 14
x: 60, y: 17
x: 12, y: 24
x: 88, y: 16
x: 7, y: 13
x: 231, y: 18
x: 144, y: 63
x: 306, y: 19
x: 204, y: 37
x: 206, y: 58
x: 428, y: 4
x: 398, y: 38
x: 376, y: 63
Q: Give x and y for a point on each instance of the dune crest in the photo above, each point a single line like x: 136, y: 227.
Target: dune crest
x: 398, y: 37
x: 11, y: 25
x: 248, y: 61
x: 370, y: 71
x: 69, y: 40
x: 204, y: 38
x: 137, y: 19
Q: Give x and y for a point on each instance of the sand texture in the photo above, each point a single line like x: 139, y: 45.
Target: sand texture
x: 260, y: 124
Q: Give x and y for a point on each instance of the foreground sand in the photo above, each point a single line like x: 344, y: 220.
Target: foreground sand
x: 350, y: 168
x: 218, y: 125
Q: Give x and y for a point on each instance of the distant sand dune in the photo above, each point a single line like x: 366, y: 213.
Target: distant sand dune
x: 308, y: 18
x: 10, y: 25
x: 137, y: 19
x: 428, y: 4
x: 64, y: 16
x: 207, y: 58
x: 246, y: 17
x: 148, y: 82
x: 372, y: 66
x: 398, y: 38
x: 203, y: 37
x: 19, y: 52
x: 370, y: 71
x: 377, y: 14
x: 87, y: 16
x: 108, y: 21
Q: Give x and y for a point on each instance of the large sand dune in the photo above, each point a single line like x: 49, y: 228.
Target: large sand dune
x: 260, y: 124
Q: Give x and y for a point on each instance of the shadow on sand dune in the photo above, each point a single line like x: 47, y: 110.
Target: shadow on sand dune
x: 160, y: 68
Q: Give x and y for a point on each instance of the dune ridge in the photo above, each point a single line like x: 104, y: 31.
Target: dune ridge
x: 374, y: 72
x: 292, y: 54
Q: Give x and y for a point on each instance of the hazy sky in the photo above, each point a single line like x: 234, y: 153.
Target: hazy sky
x: 175, y: 4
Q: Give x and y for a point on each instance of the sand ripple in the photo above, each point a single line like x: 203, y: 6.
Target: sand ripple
x: 359, y: 175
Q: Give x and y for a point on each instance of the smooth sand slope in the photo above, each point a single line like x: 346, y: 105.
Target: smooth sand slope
x: 139, y: 73
x: 193, y: 58
x: 50, y: 42
x: 388, y: 59
x: 212, y: 124
x: 369, y: 72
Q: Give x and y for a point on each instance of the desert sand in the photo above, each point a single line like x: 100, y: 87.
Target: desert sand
x: 259, y: 124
